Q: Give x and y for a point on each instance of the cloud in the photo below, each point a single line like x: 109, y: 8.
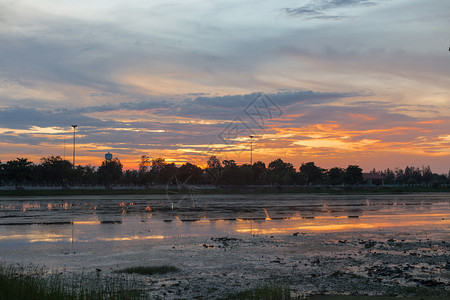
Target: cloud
x: 234, y: 105
x: 317, y: 9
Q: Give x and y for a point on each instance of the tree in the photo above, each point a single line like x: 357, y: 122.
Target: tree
x: 214, y: 169
x: 168, y: 173
x: 158, y: 164
x: 86, y: 175
x: 144, y: 176
x: 280, y: 172
x: 18, y: 170
x: 353, y: 175
x: 427, y: 175
x: 55, y: 171
x: 336, y: 176
x: 213, y: 162
x: 389, y: 176
x: 312, y: 173
x: 130, y: 177
x: 190, y: 174
x: 2, y: 173
x: 399, y: 176
x: 259, y: 172
x: 110, y: 171
x: 144, y: 164
x: 244, y: 174
x: 230, y: 173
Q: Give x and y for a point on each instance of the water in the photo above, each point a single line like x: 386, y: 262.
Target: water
x: 87, y: 219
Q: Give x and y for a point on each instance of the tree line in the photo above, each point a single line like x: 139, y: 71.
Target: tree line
x: 55, y: 171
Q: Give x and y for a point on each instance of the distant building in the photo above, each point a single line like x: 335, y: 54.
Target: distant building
x: 373, y: 178
x: 108, y: 156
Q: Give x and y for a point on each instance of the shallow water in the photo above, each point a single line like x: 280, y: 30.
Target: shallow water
x: 124, y: 218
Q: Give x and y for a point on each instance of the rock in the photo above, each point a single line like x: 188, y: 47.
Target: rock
x: 370, y: 244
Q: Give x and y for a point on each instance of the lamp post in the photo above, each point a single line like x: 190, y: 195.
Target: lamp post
x: 251, y: 149
x: 73, y: 163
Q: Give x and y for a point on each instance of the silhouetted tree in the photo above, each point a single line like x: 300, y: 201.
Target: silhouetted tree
x: 110, y: 172
x: 353, y: 175
x: 158, y: 164
x: 213, y: 162
x: 85, y: 175
x: 427, y: 175
x: 130, y: 177
x: 279, y: 172
x: 230, y: 173
x: 214, y: 170
x: 190, y: 174
x: 245, y: 174
x: 259, y: 172
x: 55, y: 171
x: 2, y: 173
x: 399, y: 176
x: 336, y: 176
x: 312, y: 173
x: 144, y: 164
x: 389, y: 176
x: 168, y: 173
x: 18, y: 170
x: 144, y: 176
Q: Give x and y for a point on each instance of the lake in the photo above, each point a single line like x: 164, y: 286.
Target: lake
x: 122, y: 218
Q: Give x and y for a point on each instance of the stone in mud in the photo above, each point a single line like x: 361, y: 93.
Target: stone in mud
x: 369, y: 244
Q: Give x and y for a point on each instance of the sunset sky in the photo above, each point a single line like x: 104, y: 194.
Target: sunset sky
x: 337, y: 82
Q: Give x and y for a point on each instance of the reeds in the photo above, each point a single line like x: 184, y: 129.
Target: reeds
x: 268, y: 291
x: 30, y: 283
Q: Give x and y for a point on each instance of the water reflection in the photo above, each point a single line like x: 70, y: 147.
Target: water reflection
x: 119, y: 218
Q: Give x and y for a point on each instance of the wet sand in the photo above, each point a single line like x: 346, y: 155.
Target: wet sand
x: 380, y: 245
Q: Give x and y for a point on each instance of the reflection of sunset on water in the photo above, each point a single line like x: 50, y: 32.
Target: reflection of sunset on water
x: 133, y: 218
x: 35, y: 237
x: 133, y: 238
x: 323, y: 224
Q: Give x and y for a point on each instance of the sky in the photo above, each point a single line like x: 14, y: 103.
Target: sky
x: 337, y: 82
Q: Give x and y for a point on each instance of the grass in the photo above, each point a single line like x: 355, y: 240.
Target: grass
x: 269, y: 291
x: 32, y: 283
x: 347, y: 190
x: 149, y: 270
x: 344, y: 297
x: 396, y: 292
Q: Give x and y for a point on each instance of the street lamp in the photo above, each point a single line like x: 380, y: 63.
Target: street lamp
x: 73, y: 164
x: 251, y: 149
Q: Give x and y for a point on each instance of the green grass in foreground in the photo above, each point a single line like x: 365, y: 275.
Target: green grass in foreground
x: 269, y: 291
x: 282, y: 291
x: 149, y: 270
x: 32, y: 283
x: 342, y: 297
